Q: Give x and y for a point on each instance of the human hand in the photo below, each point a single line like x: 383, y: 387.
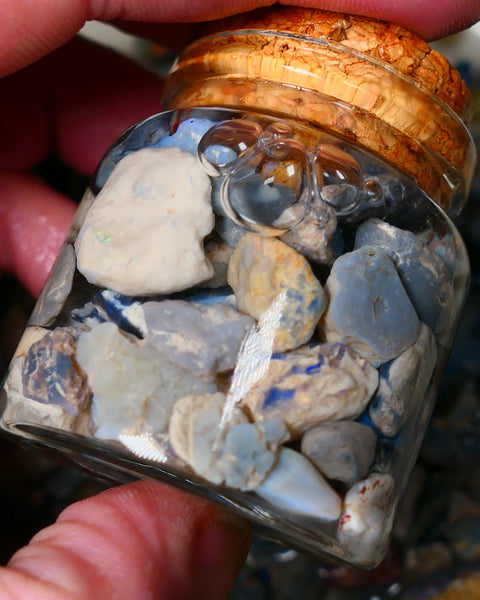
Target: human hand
x: 70, y: 97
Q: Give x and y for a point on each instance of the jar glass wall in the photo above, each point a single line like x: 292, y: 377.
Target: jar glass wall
x: 256, y: 309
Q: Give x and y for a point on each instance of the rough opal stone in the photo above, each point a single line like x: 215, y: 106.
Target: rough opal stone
x: 368, y: 308
x: 403, y: 383
x: 424, y: 275
x: 143, y: 234
x: 263, y: 271
x: 343, y: 450
x: 56, y: 290
x: 313, y: 385
x: 203, y: 339
x: 52, y: 375
x: 314, y: 236
x: 295, y: 485
x: 367, y: 510
x: 197, y: 429
x: 134, y: 386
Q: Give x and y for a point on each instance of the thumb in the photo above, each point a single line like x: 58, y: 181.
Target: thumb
x: 143, y: 540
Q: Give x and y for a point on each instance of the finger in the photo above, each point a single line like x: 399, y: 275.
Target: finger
x: 34, y: 220
x: 144, y: 540
x: 75, y: 102
x: 29, y: 30
x: 430, y: 19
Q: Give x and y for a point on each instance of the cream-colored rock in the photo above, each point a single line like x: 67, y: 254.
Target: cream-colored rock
x: 197, y: 430
x: 261, y: 271
x: 143, y: 234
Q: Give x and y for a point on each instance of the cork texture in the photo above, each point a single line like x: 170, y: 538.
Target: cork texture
x: 375, y: 83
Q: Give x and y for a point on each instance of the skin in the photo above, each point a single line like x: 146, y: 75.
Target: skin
x: 64, y: 95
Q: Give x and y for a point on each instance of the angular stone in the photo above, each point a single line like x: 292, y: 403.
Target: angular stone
x: 144, y: 232
x: 197, y: 428
x: 265, y: 270
x: 403, y: 383
x: 343, y: 450
x: 366, y: 517
x: 203, y: 339
x: 368, y: 308
x: 21, y: 409
x: 296, y: 486
x: 134, y: 386
x: 51, y: 374
x: 56, y: 290
x: 314, y: 237
x: 424, y: 275
x: 312, y: 385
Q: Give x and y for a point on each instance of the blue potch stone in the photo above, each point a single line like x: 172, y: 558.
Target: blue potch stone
x: 368, y: 308
x: 424, y: 275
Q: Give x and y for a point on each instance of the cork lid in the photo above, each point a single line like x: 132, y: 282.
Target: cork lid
x: 372, y: 82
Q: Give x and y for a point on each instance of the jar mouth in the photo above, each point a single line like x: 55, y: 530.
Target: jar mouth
x: 332, y: 85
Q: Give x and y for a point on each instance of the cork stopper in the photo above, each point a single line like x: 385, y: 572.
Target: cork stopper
x: 373, y: 83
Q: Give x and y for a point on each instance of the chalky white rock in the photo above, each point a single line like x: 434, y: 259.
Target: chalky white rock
x: 144, y: 232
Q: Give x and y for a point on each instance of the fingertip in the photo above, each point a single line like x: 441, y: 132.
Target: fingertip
x: 144, y: 539
x: 34, y: 220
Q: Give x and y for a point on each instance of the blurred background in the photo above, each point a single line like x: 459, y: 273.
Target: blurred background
x: 435, y: 553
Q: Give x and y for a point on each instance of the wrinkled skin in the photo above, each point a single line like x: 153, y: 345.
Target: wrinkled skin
x: 65, y: 95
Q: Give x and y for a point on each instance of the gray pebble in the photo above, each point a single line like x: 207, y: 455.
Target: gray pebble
x: 403, y: 383
x: 343, y: 450
x: 424, y: 275
x: 368, y: 308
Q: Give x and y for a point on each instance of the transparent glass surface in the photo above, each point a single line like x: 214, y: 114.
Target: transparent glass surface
x: 254, y: 310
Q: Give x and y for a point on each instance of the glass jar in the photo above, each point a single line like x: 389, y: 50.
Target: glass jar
x: 260, y: 289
